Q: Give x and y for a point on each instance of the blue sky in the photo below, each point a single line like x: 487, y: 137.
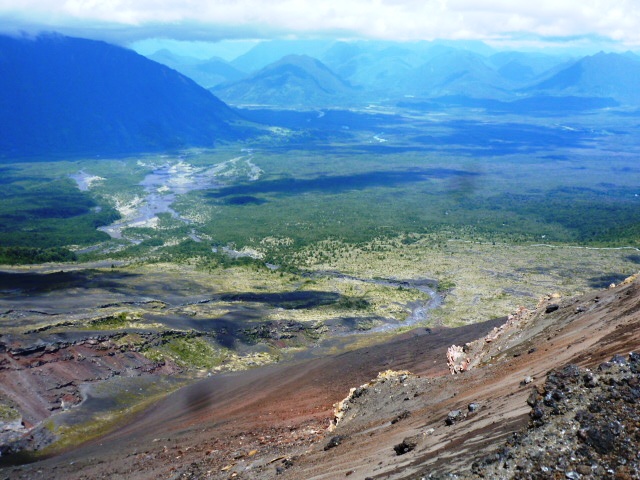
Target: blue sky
x: 202, y: 24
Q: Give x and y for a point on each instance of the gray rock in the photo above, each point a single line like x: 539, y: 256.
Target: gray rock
x: 590, y: 380
x: 526, y: 380
x: 408, y: 444
x: 552, y: 308
x: 401, y: 416
x: 453, y: 417
x: 334, y: 442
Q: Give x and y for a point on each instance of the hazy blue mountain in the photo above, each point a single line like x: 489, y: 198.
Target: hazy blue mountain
x: 62, y: 95
x: 525, y: 67
x: 339, y: 53
x: 373, y: 65
x: 206, y: 73
x: 631, y: 55
x: 456, y: 72
x: 295, y: 80
x: 266, y: 53
x: 385, y: 67
x: 342, y: 58
x: 168, y: 58
x: 602, y: 75
x: 474, y: 46
x: 424, y: 69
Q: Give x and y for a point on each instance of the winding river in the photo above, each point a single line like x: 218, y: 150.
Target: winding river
x: 419, y: 309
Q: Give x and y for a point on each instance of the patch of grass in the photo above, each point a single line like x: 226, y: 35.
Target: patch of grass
x: 131, y: 340
x: 189, y: 351
x: 354, y: 303
x: 491, y: 280
x: 8, y: 413
x: 112, y: 322
x: 445, y: 286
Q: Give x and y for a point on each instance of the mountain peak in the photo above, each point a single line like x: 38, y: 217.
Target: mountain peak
x: 295, y: 79
x: 604, y: 74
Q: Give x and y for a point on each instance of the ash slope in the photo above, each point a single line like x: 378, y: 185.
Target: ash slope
x: 272, y: 423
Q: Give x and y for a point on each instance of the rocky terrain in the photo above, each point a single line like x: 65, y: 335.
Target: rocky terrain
x: 550, y: 393
x: 590, y: 417
x: 38, y: 379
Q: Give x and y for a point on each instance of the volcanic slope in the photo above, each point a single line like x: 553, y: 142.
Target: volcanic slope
x: 414, y: 420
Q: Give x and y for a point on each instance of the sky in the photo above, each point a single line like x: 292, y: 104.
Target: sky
x: 208, y: 26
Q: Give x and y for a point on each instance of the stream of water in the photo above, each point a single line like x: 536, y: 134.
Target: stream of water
x: 419, y: 309
x: 161, y: 188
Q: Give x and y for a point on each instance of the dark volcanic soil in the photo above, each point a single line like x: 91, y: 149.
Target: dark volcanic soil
x: 591, y: 416
x: 272, y: 422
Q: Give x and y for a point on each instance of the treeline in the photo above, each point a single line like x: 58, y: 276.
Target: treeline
x: 27, y: 255
x: 50, y: 213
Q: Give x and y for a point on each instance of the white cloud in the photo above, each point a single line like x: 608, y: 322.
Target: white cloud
x: 391, y: 19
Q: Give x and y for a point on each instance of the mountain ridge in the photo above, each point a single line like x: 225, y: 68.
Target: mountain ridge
x: 291, y: 81
x: 63, y: 95
x: 603, y: 74
x: 391, y: 71
x: 207, y: 73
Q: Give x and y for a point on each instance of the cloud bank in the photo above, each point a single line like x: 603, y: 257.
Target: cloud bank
x: 212, y: 20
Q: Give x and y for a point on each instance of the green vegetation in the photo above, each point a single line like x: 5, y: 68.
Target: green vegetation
x: 8, y: 413
x: 46, y: 212
x: 188, y: 351
x: 464, y: 202
x: 112, y: 322
x: 354, y: 303
x: 277, y: 201
x: 445, y: 286
x: 26, y: 255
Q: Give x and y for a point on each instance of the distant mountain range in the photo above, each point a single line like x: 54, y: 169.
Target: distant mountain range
x: 455, y: 72
x: 206, y: 73
x: 295, y: 80
x: 265, y: 53
x: 364, y: 72
x: 62, y: 96
x: 69, y: 96
x: 602, y: 75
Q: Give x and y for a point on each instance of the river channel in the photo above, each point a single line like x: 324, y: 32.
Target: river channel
x: 419, y: 309
x: 161, y: 188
